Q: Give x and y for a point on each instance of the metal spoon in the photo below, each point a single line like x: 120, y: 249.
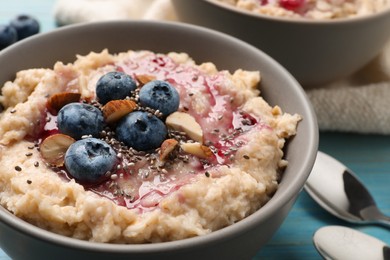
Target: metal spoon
x: 337, y: 189
x: 336, y: 242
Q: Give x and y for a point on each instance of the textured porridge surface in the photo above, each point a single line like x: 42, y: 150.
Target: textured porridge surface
x: 202, y: 203
x: 311, y: 9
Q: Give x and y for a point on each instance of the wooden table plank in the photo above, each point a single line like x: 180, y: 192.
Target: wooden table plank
x: 369, y: 157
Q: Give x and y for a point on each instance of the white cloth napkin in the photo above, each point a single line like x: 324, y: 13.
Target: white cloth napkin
x: 359, y: 103
x: 77, y: 11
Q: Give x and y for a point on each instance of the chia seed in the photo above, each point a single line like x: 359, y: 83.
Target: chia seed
x: 157, y: 113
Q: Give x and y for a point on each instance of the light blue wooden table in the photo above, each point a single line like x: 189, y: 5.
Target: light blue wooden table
x: 367, y: 155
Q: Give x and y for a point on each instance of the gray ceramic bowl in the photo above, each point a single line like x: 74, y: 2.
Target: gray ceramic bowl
x: 240, y: 241
x: 315, y: 52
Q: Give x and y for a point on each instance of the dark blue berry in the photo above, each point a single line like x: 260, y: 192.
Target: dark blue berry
x: 90, y: 160
x: 78, y: 119
x: 141, y: 131
x: 25, y: 26
x: 114, y: 85
x: 159, y: 95
x: 8, y: 36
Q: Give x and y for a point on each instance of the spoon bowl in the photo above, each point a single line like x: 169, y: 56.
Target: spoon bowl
x: 337, y: 242
x: 339, y: 191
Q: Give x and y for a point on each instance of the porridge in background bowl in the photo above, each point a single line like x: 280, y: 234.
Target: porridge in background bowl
x: 185, y: 150
x: 311, y: 9
x: 317, y: 51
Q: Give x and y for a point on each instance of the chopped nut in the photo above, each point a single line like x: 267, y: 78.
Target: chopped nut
x: 181, y: 121
x: 144, y: 78
x: 197, y: 149
x: 116, y: 109
x: 54, y: 147
x: 167, y: 147
x: 57, y: 101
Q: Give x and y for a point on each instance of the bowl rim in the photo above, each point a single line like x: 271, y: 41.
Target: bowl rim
x: 345, y: 20
x: 216, y: 236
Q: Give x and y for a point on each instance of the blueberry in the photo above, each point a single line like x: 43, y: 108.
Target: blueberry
x: 90, y: 160
x: 8, y: 36
x: 141, y: 130
x: 159, y: 95
x: 25, y: 26
x: 114, y: 85
x: 77, y: 119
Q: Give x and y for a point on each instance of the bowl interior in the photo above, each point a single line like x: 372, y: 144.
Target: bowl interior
x: 278, y: 87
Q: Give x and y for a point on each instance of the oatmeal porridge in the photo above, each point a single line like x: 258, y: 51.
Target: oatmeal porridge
x: 138, y: 147
x: 311, y: 9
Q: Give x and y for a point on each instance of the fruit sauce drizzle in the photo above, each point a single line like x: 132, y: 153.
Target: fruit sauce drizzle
x: 297, y: 6
x: 140, y: 180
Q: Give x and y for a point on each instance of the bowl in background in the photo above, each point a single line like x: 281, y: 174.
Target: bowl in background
x: 315, y: 52
x: 242, y: 240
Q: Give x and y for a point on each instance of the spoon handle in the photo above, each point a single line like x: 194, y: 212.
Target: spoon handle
x: 384, y: 221
x: 374, y: 214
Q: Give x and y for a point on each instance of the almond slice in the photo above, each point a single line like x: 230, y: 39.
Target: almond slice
x: 116, y: 109
x: 167, y: 147
x: 54, y: 147
x: 181, y: 121
x: 58, y: 100
x: 197, y: 149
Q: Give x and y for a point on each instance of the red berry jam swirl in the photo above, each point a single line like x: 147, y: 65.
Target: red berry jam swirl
x: 141, y: 180
x: 297, y: 6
